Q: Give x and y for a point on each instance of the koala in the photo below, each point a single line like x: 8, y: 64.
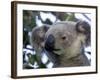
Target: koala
x: 37, y: 39
x: 66, y: 40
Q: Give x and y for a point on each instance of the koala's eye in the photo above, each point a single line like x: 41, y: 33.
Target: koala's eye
x: 64, y: 37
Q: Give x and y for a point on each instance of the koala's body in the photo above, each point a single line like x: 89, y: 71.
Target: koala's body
x: 67, y: 40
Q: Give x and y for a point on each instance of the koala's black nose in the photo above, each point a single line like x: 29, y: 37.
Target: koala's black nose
x: 49, y: 43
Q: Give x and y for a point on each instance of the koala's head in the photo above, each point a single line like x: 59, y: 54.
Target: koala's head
x: 67, y: 38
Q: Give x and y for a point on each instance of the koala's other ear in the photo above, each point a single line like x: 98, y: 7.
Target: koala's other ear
x: 83, y: 27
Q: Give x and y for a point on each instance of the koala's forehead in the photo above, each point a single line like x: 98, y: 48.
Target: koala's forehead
x: 61, y: 28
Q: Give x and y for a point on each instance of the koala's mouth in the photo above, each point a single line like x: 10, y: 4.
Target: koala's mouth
x: 51, y: 49
x: 56, y: 49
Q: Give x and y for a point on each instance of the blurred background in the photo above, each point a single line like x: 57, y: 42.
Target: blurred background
x: 32, y: 19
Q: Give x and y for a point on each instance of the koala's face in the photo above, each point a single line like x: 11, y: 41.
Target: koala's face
x: 67, y: 38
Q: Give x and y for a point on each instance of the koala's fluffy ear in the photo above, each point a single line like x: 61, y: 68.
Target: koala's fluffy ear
x: 38, y: 34
x: 83, y: 27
